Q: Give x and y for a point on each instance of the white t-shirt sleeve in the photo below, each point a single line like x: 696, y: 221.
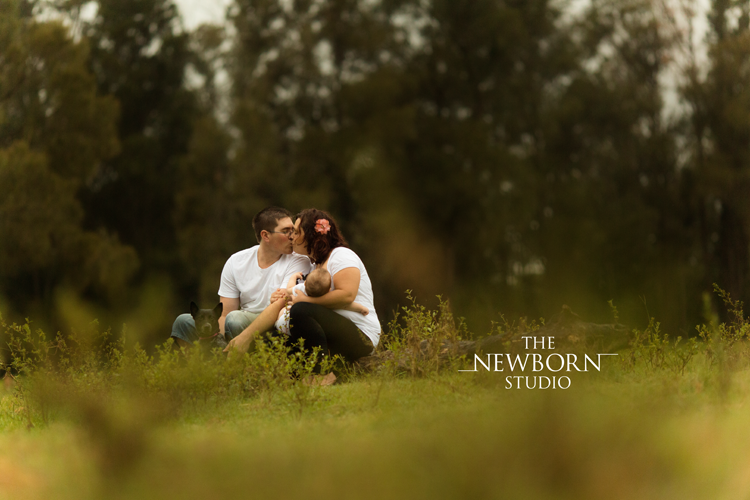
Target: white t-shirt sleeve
x: 228, y: 287
x: 343, y: 259
x: 298, y: 264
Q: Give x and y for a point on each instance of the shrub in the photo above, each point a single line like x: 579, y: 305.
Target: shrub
x: 424, y: 341
x: 55, y: 375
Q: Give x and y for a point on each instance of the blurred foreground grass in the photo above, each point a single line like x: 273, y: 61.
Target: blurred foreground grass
x: 105, y: 420
x: 449, y: 436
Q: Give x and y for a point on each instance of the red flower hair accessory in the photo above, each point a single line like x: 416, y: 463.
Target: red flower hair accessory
x: 322, y: 226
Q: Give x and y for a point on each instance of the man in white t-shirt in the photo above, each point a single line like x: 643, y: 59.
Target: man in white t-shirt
x: 251, y: 276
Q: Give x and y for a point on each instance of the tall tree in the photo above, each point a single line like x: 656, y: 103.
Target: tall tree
x: 611, y: 177
x: 471, y: 167
x: 54, y: 130
x: 435, y: 103
x: 721, y: 146
x: 207, y: 228
x: 139, y: 55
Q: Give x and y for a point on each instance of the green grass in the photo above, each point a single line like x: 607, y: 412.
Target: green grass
x: 91, y: 417
x: 449, y: 436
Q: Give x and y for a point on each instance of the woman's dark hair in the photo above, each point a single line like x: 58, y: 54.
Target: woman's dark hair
x: 319, y: 245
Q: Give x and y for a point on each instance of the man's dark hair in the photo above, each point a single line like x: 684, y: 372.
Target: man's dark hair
x: 266, y: 219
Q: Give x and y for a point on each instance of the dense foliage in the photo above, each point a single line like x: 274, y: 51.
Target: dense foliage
x: 512, y: 155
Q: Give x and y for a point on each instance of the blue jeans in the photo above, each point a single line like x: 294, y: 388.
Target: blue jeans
x: 236, y: 321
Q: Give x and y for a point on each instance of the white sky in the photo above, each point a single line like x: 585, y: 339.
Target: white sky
x: 196, y: 12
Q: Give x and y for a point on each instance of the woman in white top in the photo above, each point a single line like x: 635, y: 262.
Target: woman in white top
x: 324, y: 321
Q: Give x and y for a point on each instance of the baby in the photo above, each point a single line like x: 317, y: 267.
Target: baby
x: 317, y: 284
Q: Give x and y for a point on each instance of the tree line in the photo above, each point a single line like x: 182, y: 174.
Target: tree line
x: 512, y: 156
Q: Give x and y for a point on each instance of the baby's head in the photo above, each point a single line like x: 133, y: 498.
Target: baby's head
x: 318, y: 283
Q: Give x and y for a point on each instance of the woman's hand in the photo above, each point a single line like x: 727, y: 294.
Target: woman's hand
x: 301, y: 297
x: 346, y: 284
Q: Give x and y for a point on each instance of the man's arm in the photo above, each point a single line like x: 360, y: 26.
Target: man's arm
x: 229, y: 306
x: 242, y: 342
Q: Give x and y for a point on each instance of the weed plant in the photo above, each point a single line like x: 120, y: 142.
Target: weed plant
x: 657, y: 351
x: 222, y: 427
x: 424, y: 341
x: 52, y: 373
x: 52, y: 376
x: 711, y: 358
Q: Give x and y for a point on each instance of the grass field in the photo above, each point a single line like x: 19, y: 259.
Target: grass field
x: 118, y: 425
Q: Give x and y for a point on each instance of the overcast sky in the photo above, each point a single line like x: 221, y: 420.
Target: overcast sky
x: 195, y: 12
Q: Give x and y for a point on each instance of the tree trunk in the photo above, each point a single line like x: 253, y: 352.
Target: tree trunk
x: 733, y: 254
